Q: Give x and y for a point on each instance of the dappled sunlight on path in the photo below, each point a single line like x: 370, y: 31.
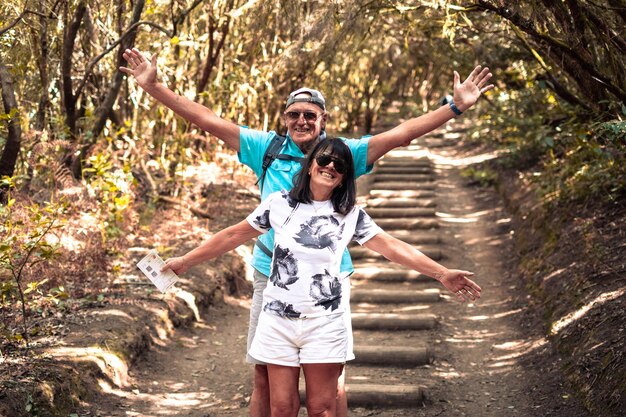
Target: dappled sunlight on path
x: 199, y: 372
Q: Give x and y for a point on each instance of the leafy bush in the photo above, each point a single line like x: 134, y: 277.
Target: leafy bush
x: 23, y: 247
x: 586, y: 163
x: 112, y: 187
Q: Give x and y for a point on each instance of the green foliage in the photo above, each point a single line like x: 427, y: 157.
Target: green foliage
x: 587, y: 163
x: 24, y: 229
x: 112, y: 187
x: 483, y: 176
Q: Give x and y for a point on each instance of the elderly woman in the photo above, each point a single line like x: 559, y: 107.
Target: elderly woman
x: 302, y: 323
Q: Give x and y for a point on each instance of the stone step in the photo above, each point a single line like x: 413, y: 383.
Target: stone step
x: 391, y: 355
x: 381, y: 193
x: 407, y: 224
x: 378, y: 274
x: 380, y: 296
x: 376, y: 395
x: 440, y: 143
x: 395, y: 212
x: 360, y: 252
x: 400, y: 202
x: 402, y: 185
x: 421, y: 237
x: 391, y: 321
x: 402, y: 177
x: 404, y: 162
x: 390, y: 169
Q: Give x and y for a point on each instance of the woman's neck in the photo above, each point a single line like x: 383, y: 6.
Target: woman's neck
x: 320, y: 195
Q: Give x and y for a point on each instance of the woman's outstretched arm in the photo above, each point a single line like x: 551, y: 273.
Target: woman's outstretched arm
x: 218, y: 244
x: 456, y: 281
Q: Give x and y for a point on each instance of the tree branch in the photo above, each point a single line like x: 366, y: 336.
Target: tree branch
x: 67, y: 50
x: 112, y: 46
x: 529, y: 27
x: 183, y: 15
x: 21, y: 17
x: 11, y: 25
x: 12, y: 146
x: 558, y: 87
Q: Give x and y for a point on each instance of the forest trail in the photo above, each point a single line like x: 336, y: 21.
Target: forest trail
x: 487, y: 358
x: 479, y: 355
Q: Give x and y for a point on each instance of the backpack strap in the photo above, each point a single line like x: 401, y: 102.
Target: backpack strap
x: 272, y: 153
x: 285, y: 157
x: 264, y: 248
x: 268, y: 157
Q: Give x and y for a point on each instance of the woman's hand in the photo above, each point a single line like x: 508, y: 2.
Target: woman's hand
x: 177, y: 264
x: 458, y: 283
x: 143, y: 69
x: 466, y: 93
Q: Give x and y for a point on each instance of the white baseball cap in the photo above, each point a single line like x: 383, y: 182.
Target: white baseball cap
x: 314, y: 97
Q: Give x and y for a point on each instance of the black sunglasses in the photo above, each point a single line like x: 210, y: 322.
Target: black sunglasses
x: 309, y: 116
x: 325, y: 159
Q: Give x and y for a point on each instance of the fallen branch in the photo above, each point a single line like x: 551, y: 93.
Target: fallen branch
x: 198, y: 212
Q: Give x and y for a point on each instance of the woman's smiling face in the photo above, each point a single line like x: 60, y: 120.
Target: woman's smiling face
x: 325, y: 175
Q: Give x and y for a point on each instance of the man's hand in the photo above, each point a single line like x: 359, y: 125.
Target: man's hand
x: 456, y: 282
x: 466, y: 93
x: 143, y: 69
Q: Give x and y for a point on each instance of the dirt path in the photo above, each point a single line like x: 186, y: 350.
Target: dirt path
x: 493, y: 357
x: 198, y: 373
x: 488, y: 358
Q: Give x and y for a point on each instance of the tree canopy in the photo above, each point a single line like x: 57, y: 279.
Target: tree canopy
x: 59, y: 63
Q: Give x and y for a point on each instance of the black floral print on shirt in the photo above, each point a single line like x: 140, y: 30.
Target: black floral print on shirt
x: 326, y: 290
x: 281, y: 309
x: 293, y: 204
x: 263, y: 221
x: 320, y: 232
x: 284, y: 268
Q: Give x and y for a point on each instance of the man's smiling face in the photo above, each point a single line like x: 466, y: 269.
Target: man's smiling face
x: 305, y: 122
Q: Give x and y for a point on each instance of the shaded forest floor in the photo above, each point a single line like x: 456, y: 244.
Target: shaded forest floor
x: 137, y: 348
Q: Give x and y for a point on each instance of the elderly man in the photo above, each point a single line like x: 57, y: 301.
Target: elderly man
x: 305, y: 116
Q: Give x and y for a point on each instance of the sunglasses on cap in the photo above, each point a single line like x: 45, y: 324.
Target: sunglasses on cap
x: 309, y: 116
x: 325, y: 159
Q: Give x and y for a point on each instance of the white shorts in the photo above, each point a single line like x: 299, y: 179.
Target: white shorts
x: 260, y: 282
x: 292, y: 342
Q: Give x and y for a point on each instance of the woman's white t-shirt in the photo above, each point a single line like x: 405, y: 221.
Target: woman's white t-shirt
x: 309, y: 240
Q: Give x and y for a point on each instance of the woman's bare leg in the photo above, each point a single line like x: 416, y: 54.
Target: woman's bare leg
x: 321, y: 388
x: 284, y: 397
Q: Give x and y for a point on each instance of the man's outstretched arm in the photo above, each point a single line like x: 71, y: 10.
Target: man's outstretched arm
x: 466, y: 93
x: 145, y: 72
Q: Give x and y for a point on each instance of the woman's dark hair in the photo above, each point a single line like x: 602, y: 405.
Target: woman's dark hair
x: 344, y: 196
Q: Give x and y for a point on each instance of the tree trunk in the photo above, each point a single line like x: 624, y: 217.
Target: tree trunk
x: 69, y: 40
x: 105, y: 108
x: 214, y: 50
x: 42, y: 108
x: 11, y: 149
